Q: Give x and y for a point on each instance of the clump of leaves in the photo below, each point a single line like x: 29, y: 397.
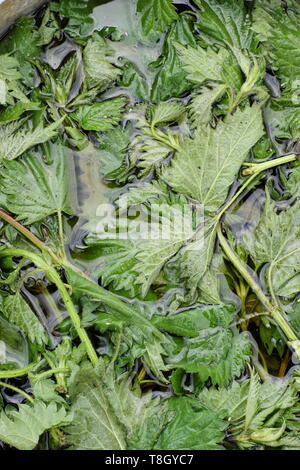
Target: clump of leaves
x: 149, y: 248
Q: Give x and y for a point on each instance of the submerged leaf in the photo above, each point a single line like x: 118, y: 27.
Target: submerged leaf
x: 170, y: 80
x: 156, y: 15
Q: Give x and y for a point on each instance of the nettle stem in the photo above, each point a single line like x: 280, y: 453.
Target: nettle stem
x: 259, y: 167
x: 29, y: 235
x: 12, y: 373
x: 254, y: 169
x: 53, y: 276
x: 17, y: 390
x: 61, y: 234
x: 48, y: 373
x: 274, y: 312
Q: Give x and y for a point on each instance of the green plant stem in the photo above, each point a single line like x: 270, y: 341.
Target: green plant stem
x: 48, y: 373
x: 263, y: 361
x: 262, y: 372
x: 30, y: 236
x: 259, y: 167
x: 161, y: 137
x: 254, y: 170
x: 17, y: 390
x: 53, y: 276
x: 61, y: 234
x: 59, y: 377
x: 10, y: 374
x: 237, y: 194
x: 22, y: 229
x: 274, y: 311
x: 118, y: 345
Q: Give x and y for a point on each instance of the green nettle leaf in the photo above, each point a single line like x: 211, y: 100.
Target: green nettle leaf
x: 134, y: 80
x: 206, y: 166
x: 284, y: 116
x: 130, y: 406
x: 226, y: 22
x: 170, y: 111
x: 18, y: 312
x: 23, y: 43
x: 45, y: 390
x: 137, y: 341
x: 156, y: 419
x: 112, y: 149
x: 118, y: 259
x: 200, y: 106
x: 262, y: 15
x: 152, y: 145
x: 3, y: 91
x: 15, y: 140
x: 156, y: 15
x: 148, y: 153
x: 292, y: 184
x: 179, y: 424
x: 148, y: 192
x: 195, y: 258
x: 202, y: 64
x: 49, y: 28
x: 232, y: 400
x: 130, y: 316
x: 240, y: 72
x: 283, y: 42
x: 193, y: 428
x: 190, y: 322
x: 139, y: 259
x: 216, y: 352
x: 98, y: 59
x: 107, y: 413
x: 257, y: 411
x: 9, y: 68
x: 80, y: 23
x: 101, y: 116
x: 23, y: 428
x: 276, y: 244
x: 13, y: 113
x: 214, y: 285
x: 95, y: 425
x: 34, y: 190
